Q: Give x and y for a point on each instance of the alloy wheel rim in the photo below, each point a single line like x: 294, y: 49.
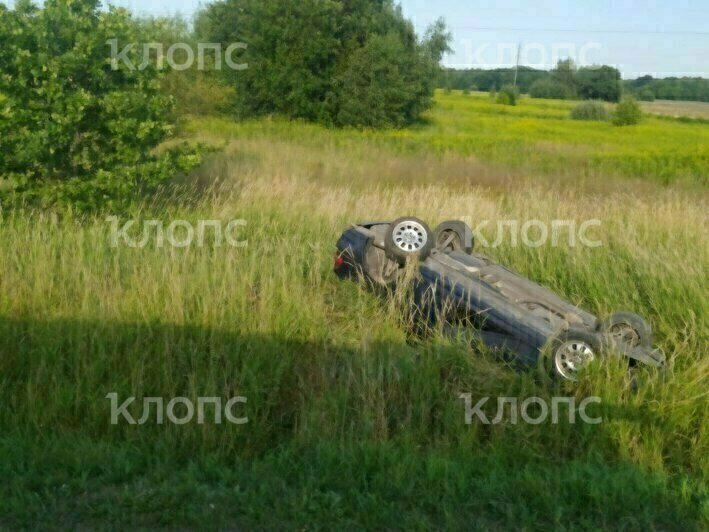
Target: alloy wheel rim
x: 571, y: 357
x: 410, y: 236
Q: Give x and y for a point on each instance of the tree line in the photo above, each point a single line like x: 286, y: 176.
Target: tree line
x: 566, y: 81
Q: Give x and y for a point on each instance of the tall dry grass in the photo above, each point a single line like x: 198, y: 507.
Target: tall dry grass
x: 332, y: 379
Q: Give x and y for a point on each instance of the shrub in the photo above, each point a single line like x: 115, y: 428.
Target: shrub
x: 550, y: 89
x: 590, y: 111
x: 627, y: 112
x: 69, y: 114
x: 508, y: 95
x: 112, y: 190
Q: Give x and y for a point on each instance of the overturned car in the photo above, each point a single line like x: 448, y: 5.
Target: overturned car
x: 466, y: 291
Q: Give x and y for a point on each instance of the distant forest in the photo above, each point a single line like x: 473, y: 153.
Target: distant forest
x: 560, y: 83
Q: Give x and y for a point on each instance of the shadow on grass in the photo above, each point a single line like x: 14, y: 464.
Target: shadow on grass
x: 368, y: 436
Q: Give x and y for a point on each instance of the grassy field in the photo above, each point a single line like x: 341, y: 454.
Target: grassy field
x: 534, y: 138
x: 677, y: 109
x: 352, y: 424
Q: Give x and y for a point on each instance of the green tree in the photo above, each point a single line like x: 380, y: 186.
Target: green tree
x: 382, y: 86
x: 565, y: 75
x: 356, y: 62
x: 599, y: 83
x: 549, y: 88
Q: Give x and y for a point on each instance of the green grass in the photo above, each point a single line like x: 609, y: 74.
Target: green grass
x: 536, y: 137
x: 352, y: 424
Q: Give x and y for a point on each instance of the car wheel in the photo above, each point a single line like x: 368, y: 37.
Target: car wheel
x: 625, y: 329
x: 408, y: 238
x: 572, y: 351
x: 454, y: 236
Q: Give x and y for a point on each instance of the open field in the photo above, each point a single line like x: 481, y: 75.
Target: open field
x: 485, y: 139
x: 352, y: 424
x: 677, y: 109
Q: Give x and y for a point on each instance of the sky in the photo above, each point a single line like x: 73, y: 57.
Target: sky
x: 660, y: 38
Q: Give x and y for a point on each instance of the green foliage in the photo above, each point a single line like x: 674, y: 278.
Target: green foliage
x: 590, y: 110
x: 70, y: 116
x: 671, y: 88
x: 508, y: 95
x: 486, y: 80
x: 599, y: 83
x: 565, y: 75
x: 114, y: 190
x: 550, y: 89
x: 627, y: 113
x: 382, y: 86
x: 342, y: 63
x: 646, y: 95
x: 194, y: 91
x: 564, y: 81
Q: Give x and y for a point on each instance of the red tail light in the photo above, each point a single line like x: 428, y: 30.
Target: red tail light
x: 339, y: 262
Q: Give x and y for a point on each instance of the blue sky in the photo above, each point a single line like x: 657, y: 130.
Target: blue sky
x: 661, y: 38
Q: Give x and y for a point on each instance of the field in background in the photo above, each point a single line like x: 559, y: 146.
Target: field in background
x: 352, y: 423
x: 534, y: 138
x: 677, y: 109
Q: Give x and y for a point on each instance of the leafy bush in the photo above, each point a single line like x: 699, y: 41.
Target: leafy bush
x: 627, y: 113
x: 508, y: 95
x: 590, y: 111
x: 338, y: 62
x: 69, y: 114
x: 550, y: 89
x: 115, y: 190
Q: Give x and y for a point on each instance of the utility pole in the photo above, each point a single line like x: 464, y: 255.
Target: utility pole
x: 519, y: 52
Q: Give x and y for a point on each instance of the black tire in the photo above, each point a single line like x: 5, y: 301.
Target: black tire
x: 571, y: 351
x: 454, y: 236
x: 627, y: 330
x: 408, y: 238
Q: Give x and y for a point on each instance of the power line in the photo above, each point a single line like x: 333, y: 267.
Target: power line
x: 569, y: 30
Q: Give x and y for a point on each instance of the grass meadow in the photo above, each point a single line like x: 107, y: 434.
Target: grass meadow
x: 352, y: 423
